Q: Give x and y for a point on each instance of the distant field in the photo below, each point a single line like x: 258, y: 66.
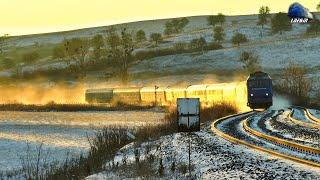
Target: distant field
x: 44, y: 50
x: 62, y: 134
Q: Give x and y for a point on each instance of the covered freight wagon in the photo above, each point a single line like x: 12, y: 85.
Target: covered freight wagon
x: 173, y: 93
x: 197, y: 91
x: 153, y: 95
x: 99, y: 95
x: 127, y: 95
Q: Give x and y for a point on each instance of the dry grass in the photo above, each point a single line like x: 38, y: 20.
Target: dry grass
x: 217, y: 111
x: 107, y: 143
x: 103, y: 148
x: 70, y: 107
x: 209, y: 113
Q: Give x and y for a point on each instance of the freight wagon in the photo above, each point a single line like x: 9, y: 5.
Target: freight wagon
x: 207, y: 93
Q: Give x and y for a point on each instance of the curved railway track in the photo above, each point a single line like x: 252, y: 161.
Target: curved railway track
x: 282, y: 130
x: 310, y: 116
x: 312, y: 124
x: 237, y: 129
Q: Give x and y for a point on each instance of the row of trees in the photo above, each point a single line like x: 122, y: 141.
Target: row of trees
x: 171, y: 27
x: 219, y: 36
x: 116, y: 48
x: 175, y: 25
x: 216, y: 19
x: 280, y: 22
x: 154, y: 37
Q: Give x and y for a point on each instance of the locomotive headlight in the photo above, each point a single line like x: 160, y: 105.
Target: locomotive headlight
x: 251, y: 95
x: 267, y: 94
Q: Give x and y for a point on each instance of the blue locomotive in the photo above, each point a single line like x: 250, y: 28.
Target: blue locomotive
x: 259, y: 88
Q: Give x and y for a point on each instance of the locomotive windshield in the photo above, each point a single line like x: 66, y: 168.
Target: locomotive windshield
x: 261, y: 83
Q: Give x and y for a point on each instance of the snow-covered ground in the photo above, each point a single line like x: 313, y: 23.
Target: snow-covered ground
x: 273, y: 49
x: 315, y: 113
x: 288, y: 129
x: 61, y: 133
x: 283, y: 133
x: 84, y: 119
x: 300, y: 115
x: 276, y: 52
x: 211, y: 158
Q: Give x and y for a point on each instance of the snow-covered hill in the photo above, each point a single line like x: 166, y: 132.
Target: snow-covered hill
x: 211, y: 158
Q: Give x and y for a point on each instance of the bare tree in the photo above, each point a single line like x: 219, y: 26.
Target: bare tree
x: 3, y: 42
x: 264, y: 13
x: 98, y: 44
x: 295, y: 80
x: 120, y: 50
x: 156, y: 38
x: 77, y: 50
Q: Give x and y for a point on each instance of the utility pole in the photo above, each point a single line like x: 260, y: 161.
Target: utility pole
x: 189, y: 145
x: 155, y: 94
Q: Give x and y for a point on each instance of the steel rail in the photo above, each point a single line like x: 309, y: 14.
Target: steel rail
x: 242, y: 142
x: 279, y: 141
x: 306, y: 124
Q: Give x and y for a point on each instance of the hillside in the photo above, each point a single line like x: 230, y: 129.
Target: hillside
x: 275, y: 51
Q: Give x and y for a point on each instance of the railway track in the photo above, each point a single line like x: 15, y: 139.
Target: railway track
x: 312, y: 124
x: 280, y: 129
x: 310, y: 116
x: 237, y: 129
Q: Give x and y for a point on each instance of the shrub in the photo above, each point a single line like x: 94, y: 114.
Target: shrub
x: 30, y: 57
x: 239, y: 38
x: 175, y: 25
x: 214, y: 19
x: 198, y: 44
x: 177, y: 49
x: 180, y: 46
x: 156, y: 38
x: 250, y: 61
x: 314, y: 27
x: 280, y: 22
x: 141, y: 36
x: 7, y: 63
x: 218, y: 34
x: 296, y: 82
x: 217, y: 111
x: 59, y: 52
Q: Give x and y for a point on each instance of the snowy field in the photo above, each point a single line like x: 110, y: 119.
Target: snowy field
x: 291, y: 46
x: 211, y: 158
x: 62, y: 134
x: 315, y: 113
x: 301, y: 116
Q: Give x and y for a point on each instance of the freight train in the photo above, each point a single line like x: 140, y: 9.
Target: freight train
x: 209, y: 94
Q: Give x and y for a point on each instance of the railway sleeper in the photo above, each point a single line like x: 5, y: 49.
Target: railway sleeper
x: 293, y: 148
